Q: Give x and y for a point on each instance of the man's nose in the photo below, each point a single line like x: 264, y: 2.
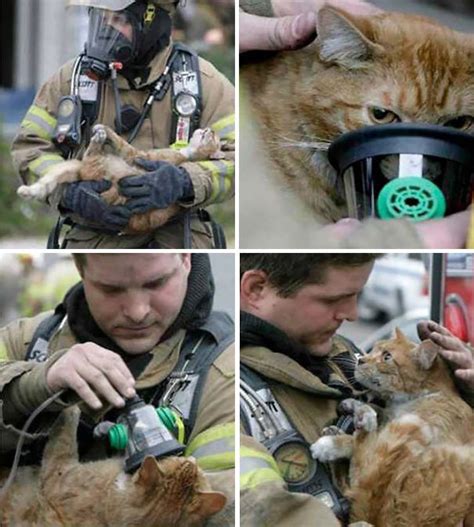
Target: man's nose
x: 348, y: 311
x: 137, y: 307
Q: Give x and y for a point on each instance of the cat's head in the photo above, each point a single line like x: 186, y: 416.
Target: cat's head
x: 380, y: 69
x: 398, y: 368
x: 172, y: 491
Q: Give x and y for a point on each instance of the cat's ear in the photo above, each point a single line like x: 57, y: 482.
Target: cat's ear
x: 149, y: 473
x: 343, y: 40
x: 211, y: 502
x: 425, y: 354
x: 400, y: 336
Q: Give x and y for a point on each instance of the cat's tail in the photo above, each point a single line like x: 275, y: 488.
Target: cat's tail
x: 64, y: 172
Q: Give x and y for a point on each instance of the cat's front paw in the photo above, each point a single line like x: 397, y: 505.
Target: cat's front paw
x: 365, y: 417
x: 325, y: 449
x: 99, y: 134
x: 332, y: 430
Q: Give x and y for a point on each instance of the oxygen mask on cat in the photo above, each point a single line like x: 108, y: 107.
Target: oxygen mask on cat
x: 413, y: 171
x: 143, y: 430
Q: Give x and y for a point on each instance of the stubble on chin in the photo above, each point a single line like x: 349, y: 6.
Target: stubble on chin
x: 321, y: 349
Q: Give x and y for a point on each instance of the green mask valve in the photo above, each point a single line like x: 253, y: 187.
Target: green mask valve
x: 118, y: 437
x: 411, y: 197
x: 172, y: 421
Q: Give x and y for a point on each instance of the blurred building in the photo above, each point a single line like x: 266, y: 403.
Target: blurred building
x: 37, y: 37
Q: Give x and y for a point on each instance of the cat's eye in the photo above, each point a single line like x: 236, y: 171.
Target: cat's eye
x: 386, y: 356
x: 463, y: 122
x: 382, y: 116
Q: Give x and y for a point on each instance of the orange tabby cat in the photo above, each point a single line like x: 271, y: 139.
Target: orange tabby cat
x: 417, y: 469
x: 112, y: 158
x: 361, y: 70
x: 64, y: 493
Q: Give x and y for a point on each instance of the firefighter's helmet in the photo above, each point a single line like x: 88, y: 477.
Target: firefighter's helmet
x: 118, y: 5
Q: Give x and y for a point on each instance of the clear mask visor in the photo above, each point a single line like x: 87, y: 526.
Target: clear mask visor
x: 111, y: 36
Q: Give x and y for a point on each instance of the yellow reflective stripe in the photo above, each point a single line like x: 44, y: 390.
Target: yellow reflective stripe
x: 225, y: 127
x: 43, y: 163
x: 40, y: 122
x: 217, y: 461
x: 256, y: 468
x: 211, y: 434
x: 3, y: 351
x: 222, y: 173
x: 214, y: 449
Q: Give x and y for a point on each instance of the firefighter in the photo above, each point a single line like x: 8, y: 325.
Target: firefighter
x: 155, y: 93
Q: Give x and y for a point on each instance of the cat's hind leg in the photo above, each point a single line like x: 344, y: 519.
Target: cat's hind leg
x: 64, y: 172
x: 61, y: 447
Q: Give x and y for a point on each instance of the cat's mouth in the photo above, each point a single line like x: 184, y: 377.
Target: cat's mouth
x: 366, y: 380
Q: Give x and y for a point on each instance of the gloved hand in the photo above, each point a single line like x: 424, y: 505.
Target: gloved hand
x: 164, y: 185
x: 83, y: 198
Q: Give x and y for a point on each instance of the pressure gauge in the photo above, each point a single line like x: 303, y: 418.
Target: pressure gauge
x: 295, y: 462
x: 185, y: 104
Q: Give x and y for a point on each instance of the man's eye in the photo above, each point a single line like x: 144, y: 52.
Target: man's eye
x: 111, y: 290
x: 157, y: 283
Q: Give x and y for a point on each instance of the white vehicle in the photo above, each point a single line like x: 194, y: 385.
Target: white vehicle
x: 397, y: 284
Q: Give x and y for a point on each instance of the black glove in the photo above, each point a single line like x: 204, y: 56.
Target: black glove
x: 164, y: 185
x: 83, y: 198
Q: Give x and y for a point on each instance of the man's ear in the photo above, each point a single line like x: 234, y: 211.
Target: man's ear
x: 344, y: 40
x: 252, y: 287
x: 425, y: 354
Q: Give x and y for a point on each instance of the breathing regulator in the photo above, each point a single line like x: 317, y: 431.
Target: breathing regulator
x: 415, y: 171
x: 142, y: 430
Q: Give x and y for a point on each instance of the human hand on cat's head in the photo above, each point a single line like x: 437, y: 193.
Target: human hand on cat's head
x: 294, y: 23
x: 457, y: 353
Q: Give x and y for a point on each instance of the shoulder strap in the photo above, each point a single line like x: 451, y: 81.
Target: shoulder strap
x: 89, y: 91
x: 38, y: 348
x: 186, y: 82
x: 200, y: 349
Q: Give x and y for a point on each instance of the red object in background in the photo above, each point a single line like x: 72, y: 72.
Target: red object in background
x: 458, y: 312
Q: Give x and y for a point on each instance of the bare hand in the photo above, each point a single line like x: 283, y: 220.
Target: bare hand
x: 446, y: 233
x: 294, y: 25
x: 454, y: 350
x: 92, y: 371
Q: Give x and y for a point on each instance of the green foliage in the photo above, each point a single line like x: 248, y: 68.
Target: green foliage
x: 18, y: 217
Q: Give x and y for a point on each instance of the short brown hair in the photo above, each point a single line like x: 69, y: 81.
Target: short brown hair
x: 290, y: 272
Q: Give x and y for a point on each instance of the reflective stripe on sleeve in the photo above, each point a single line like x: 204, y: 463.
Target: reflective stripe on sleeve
x: 43, y: 163
x: 214, y: 449
x: 40, y: 122
x: 222, y: 175
x: 3, y: 351
x: 225, y: 127
x: 257, y: 467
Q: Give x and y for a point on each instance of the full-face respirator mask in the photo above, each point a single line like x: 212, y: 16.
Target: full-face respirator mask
x: 413, y: 171
x: 128, y: 38
x: 142, y: 430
